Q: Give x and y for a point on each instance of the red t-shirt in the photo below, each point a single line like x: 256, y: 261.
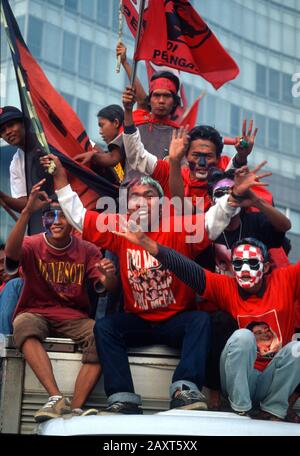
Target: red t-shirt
x: 276, y: 307
x: 55, y: 279
x: 150, y: 291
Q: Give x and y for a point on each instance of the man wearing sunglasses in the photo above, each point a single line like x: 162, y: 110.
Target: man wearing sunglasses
x: 54, y: 299
x: 253, y: 295
x: 269, y: 225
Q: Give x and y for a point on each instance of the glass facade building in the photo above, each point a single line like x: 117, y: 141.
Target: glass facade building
x: 74, y: 41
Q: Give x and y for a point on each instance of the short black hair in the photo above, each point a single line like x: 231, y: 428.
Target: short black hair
x: 173, y: 78
x: 215, y: 174
x: 256, y: 243
x: 256, y: 323
x: 54, y: 200
x: 112, y: 112
x: 209, y: 133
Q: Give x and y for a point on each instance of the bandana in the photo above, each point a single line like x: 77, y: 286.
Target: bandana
x: 163, y: 84
x: 223, y: 183
x: 247, y: 261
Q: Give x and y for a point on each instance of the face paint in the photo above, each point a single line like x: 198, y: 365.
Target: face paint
x: 49, y: 218
x: 248, y: 265
x: 202, y: 160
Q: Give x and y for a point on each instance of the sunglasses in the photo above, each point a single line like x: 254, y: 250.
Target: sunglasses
x: 221, y: 192
x: 252, y: 262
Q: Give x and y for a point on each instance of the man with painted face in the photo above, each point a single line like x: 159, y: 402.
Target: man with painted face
x: 249, y: 378
x: 268, y: 225
x: 158, y: 309
x: 54, y: 298
x: 202, y: 148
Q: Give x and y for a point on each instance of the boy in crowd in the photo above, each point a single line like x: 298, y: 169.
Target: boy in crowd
x: 54, y: 299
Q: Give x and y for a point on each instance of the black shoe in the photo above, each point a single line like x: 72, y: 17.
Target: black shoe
x: 126, y: 408
x: 188, y: 400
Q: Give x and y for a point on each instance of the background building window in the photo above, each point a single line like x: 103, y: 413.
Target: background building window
x: 274, y: 84
x: 287, y: 88
x: 85, y: 59
x: 273, y: 137
x: 102, y: 15
x: 287, y: 138
x: 69, y: 52
x: 261, y: 80
x: 83, y: 111
x: 52, y: 44
x: 35, y: 36
x: 261, y: 124
x: 72, y: 5
x: 88, y: 9
x: 235, y: 120
x: 100, y: 65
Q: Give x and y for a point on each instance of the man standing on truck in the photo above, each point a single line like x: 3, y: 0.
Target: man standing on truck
x: 54, y: 300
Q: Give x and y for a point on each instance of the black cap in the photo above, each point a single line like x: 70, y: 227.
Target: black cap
x: 8, y: 113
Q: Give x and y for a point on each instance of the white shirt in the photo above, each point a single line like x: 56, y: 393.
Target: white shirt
x: 17, y: 175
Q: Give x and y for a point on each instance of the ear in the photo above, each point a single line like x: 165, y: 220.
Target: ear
x: 116, y: 123
x: 267, y: 267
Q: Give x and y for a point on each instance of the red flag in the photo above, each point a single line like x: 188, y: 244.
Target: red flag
x: 190, y: 116
x: 175, y: 35
x: 65, y: 134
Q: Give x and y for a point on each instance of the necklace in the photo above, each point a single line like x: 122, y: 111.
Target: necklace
x: 225, y: 238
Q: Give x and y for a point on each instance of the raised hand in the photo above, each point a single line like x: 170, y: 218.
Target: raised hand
x: 244, y: 144
x: 244, y: 179
x: 37, y: 199
x: 121, y: 51
x: 179, y: 143
x: 128, y: 98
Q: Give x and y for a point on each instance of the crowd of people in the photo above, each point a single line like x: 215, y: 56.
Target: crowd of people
x: 195, y: 252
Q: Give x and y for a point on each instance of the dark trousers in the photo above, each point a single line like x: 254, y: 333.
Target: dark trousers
x: 223, y: 326
x: 189, y: 331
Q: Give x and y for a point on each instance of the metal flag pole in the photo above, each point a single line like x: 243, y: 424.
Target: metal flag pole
x: 137, y: 38
x: 120, y: 33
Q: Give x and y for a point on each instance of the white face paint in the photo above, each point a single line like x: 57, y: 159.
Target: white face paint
x: 248, y: 265
x: 201, y: 175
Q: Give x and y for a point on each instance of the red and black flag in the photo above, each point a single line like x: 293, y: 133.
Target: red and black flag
x: 51, y: 124
x: 174, y: 35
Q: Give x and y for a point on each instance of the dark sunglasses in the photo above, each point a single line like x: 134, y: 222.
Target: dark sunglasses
x: 253, y: 263
x: 221, y: 192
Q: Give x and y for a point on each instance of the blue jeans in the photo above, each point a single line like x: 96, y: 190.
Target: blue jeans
x: 189, y: 331
x: 245, y: 385
x: 9, y: 297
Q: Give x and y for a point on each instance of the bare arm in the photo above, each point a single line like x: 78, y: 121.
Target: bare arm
x: 37, y: 200
x: 177, y: 150
x: 16, y: 204
x: 140, y: 92
x: 279, y: 221
x: 106, y: 159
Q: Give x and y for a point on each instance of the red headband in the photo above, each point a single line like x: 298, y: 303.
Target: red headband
x: 162, y: 83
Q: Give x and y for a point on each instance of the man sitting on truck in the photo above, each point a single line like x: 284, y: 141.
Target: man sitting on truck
x: 54, y: 300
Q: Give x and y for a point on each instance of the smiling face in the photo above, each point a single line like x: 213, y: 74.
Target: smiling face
x: 143, y: 205
x: 108, y: 129
x: 248, y: 266
x: 161, y: 102
x: 201, y: 155
x: 56, y: 224
x: 13, y: 132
